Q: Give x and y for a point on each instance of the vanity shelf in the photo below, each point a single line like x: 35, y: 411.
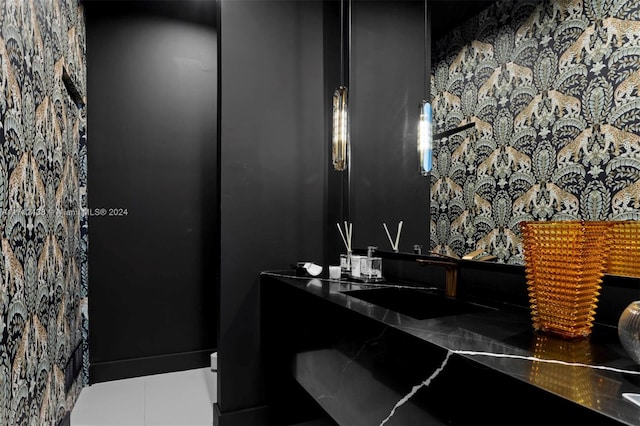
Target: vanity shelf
x: 335, y: 344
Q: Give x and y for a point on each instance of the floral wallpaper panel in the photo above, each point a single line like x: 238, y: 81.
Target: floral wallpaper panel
x: 42, y: 181
x: 553, y: 89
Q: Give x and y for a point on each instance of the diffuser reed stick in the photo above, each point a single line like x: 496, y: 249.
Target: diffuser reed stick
x: 394, y: 244
x: 346, y: 235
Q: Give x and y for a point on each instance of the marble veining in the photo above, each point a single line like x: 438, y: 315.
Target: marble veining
x: 503, y: 341
x: 416, y: 388
x: 428, y: 381
x: 346, y: 366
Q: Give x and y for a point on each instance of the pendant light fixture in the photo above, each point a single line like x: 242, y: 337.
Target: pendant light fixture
x: 425, y: 138
x: 340, y: 137
x: 425, y: 131
x: 340, y: 128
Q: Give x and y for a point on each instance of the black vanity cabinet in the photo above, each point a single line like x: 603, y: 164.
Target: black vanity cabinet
x: 342, y: 353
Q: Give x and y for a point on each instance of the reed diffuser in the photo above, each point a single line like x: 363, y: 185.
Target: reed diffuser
x: 394, y: 243
x: 345, y: 259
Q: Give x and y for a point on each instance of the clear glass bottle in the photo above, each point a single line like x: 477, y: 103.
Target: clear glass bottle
x: 345, y: 263
x: 371, y: 268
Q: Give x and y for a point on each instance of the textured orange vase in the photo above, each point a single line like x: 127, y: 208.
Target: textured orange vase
x: 624, y: 256
x: 564, y: 264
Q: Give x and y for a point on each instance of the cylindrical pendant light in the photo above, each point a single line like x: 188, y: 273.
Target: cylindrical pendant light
x: 425, y: 130
x: 340, y: 136
x: 425, y: 138
x: 340, y: 128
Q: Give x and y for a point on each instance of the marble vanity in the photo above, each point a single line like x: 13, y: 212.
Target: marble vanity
x: 371, y: 354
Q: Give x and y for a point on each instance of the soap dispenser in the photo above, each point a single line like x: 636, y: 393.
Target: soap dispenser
x: 371, y: 266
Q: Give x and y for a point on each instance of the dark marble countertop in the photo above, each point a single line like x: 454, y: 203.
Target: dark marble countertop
x: 592, y: 372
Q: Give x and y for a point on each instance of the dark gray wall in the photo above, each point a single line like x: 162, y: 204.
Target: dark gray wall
x: 280, y: 199
x: 338, y: 182
x: 153, y: 87
x: 387, y: 84
x: 274, y: 151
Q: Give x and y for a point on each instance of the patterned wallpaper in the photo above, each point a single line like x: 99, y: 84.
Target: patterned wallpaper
x: 42, y: 177
x: 553, y: 88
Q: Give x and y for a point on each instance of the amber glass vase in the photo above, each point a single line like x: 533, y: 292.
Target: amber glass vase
x: 564, y: 265
x: 624, y: 256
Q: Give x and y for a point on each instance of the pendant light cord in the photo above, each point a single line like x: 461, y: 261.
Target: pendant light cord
x: 341, y: 42
x: 426, y: 53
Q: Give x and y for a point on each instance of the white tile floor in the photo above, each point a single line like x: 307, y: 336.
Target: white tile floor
x: 182, y: 398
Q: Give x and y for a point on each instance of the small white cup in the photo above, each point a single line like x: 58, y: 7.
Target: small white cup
x: 334, y: 272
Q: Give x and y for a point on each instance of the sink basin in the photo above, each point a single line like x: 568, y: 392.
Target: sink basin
x: 416, y: 303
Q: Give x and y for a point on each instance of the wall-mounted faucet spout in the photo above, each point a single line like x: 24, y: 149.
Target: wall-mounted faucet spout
x: 451, y: 267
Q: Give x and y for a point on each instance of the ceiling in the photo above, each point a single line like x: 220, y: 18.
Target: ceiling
x: 448, y: 14
x: 445, y: 14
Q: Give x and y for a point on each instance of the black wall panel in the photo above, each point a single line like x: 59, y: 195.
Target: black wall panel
x: 387, y: 84
x: 274, y: 152
x: 152, y: 271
